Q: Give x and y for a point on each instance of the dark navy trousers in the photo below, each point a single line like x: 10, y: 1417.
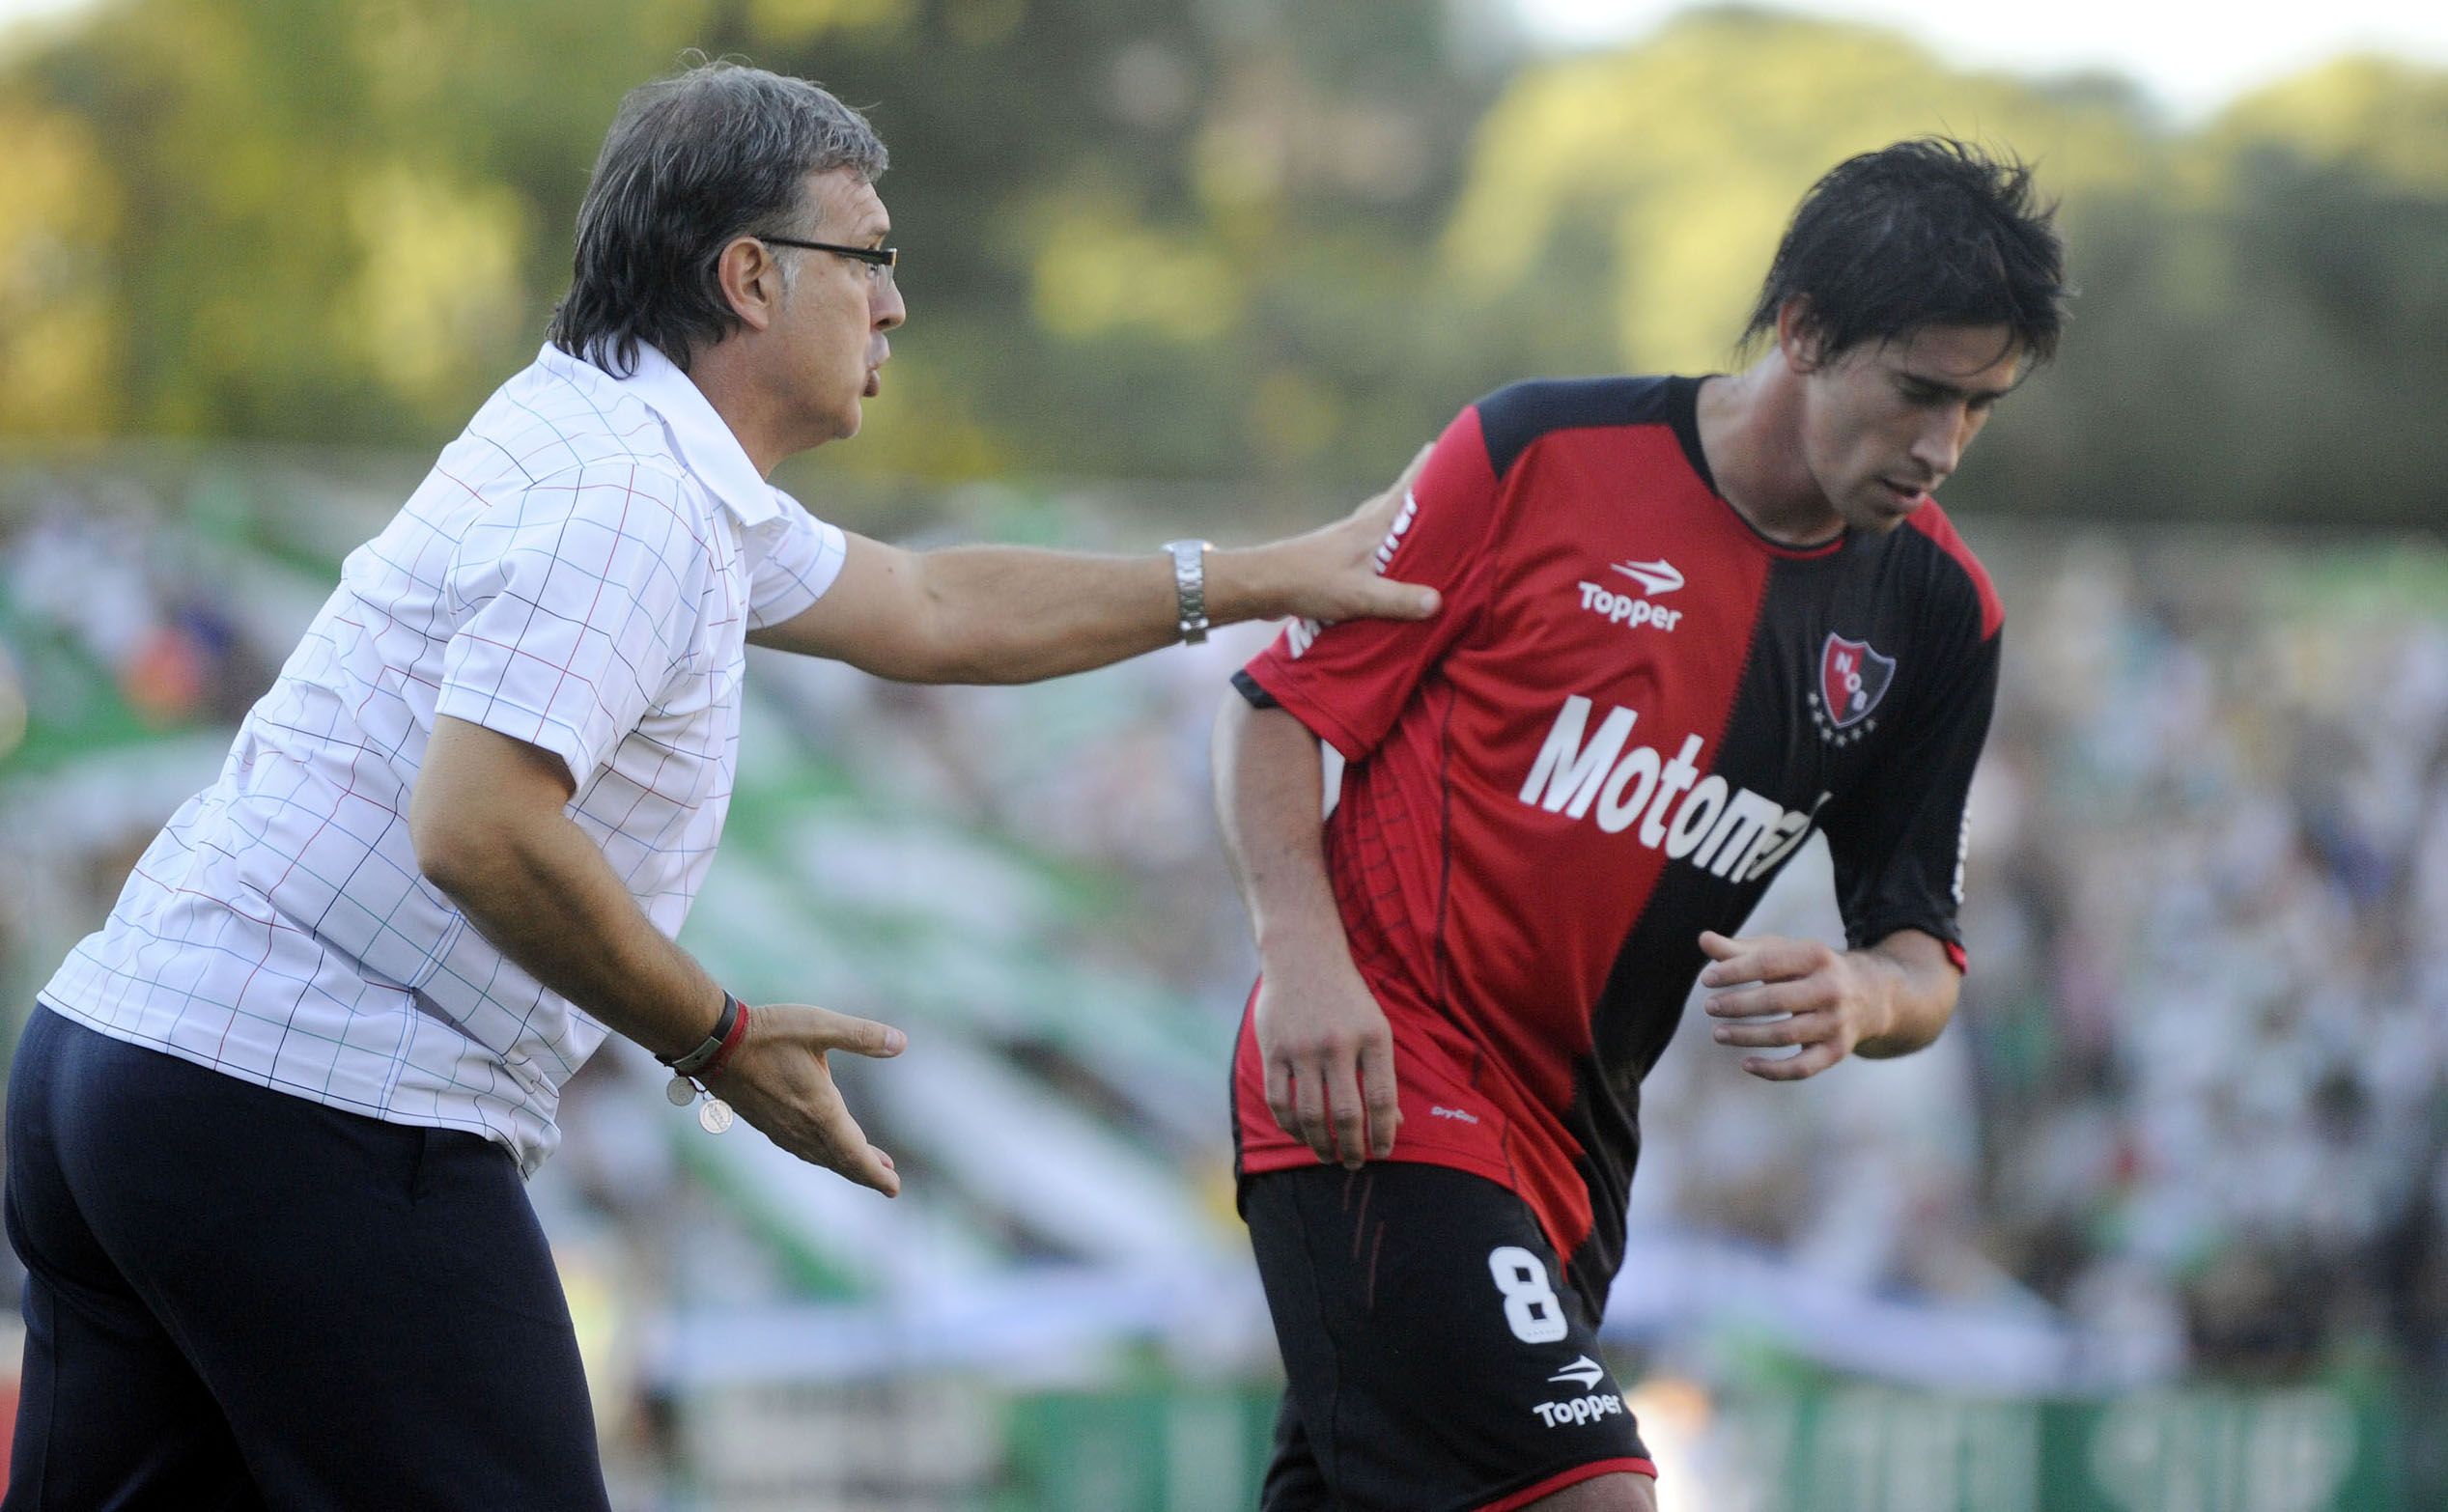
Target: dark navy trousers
x: 239, y: 1298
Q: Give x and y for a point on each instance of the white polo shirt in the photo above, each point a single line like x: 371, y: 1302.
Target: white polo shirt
x: 579, y: 572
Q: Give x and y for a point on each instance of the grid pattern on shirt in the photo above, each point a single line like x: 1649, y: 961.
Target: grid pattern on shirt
x: 560, y: 578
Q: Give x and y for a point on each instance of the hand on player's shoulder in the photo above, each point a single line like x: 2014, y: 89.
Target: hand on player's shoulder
x: 1337, y: 572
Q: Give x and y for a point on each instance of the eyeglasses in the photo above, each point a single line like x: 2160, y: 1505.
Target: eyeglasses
x: 881, y: 260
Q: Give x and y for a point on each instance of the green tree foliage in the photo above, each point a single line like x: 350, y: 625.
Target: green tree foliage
x: 1121, y: 220
x: 331, y: 215
x: 1627, y: 204
x: 2263, y: 327
x: 1176, y: 237
x: 59, y: 219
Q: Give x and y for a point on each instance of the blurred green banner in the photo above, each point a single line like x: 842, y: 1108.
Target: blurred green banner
x: 1837, y: 1448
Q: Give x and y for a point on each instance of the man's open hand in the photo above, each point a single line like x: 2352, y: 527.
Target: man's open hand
x: 780, y: 1082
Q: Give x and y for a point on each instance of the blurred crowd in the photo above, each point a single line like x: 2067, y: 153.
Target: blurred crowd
x: 2196, y: 1094
x: 2196, y: 1097
x: 2211, y: 1032
x: 91, y: 579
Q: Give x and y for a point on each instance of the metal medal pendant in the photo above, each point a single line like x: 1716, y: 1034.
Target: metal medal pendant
x: 681, y: 1092
x: 714, y: 1116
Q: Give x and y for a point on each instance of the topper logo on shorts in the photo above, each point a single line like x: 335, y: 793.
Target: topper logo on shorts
x: 1727, y: 831
x: 1579, y: 1409
x: 1585, y: 1373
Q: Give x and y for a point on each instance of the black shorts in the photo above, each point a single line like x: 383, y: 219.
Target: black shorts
x: 1434, y: 1358
x: 235, y: 1297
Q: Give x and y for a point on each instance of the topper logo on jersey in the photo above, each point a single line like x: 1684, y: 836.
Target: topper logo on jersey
x: 1725, y: 830
x: 1852, y: 679
x: 1655, y: 578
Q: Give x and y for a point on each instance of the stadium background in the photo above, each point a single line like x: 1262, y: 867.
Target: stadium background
x: 2161, y: 1225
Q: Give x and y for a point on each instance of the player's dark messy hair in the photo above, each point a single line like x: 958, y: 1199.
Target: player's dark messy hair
x: 692, y: 162
x: 1928, y: 232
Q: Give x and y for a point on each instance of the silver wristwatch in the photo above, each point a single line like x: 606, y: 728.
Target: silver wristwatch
x: 1189, y: 587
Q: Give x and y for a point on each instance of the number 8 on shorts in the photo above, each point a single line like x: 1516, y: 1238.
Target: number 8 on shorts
x: 1530, y: 1302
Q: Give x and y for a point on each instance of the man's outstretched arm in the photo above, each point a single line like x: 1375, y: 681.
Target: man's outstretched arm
x: 489, y: 824
x: 1013, y: 614
x: 1325, y: 1043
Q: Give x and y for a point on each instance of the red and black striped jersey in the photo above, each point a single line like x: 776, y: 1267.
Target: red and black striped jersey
x: 1632, y: 709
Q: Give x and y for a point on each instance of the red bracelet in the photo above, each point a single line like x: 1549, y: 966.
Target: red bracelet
x: 731, y: 1042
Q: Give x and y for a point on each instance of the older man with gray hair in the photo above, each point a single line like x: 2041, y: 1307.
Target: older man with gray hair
x: 267, y: 1129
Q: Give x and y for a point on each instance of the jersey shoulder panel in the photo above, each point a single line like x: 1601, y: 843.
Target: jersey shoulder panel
x: 1932, y: 524
x: 1515, y: 416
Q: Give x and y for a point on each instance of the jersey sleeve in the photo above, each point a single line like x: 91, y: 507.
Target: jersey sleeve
x: 574, y: 602
x: 802, y: 556
x: 1898, y: 841
x: 1347, y: 682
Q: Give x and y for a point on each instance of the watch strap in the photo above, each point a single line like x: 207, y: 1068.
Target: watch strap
x: 1189, y: 588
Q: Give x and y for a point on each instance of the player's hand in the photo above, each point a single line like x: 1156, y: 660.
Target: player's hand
x: 1329, y: 1056
x: 778, y: 1080
x: 1330, y: 573
x: 1836, y: 999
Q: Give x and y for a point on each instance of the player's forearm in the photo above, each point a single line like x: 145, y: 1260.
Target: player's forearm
x: 1013, y: 614
x: 1270, y: 788
x: 539, y: 890
x: 1921, y: 988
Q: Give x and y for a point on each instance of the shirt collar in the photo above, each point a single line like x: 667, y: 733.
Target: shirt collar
x: 706, y: 446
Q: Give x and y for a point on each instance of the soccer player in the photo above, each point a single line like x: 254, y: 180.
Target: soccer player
x: 268, y: 1129
x: 1687, y: 621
